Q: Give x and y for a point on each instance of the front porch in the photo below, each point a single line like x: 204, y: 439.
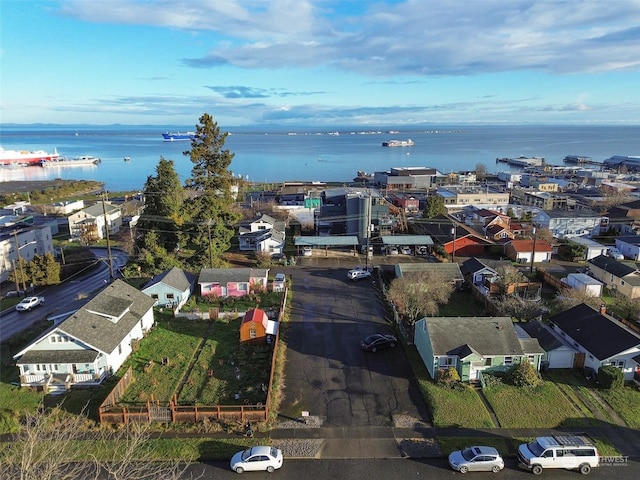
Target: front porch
x: 62, y: 381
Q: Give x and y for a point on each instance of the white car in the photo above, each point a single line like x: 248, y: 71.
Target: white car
x: 571, y: 452
x: 306, y: 251
x: 278, y: 282
x: 393, y: 250
x: 358, y: 274
x: 29, y: 303
x: 257, y: 459
x: 406, y: 251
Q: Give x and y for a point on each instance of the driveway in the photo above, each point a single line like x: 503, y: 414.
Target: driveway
x: 327, y: 374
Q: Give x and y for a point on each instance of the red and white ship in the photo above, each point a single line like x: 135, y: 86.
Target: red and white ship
x: 25, y: 157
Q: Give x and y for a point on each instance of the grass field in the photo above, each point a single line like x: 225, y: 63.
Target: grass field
x: 455, y: 408
x: 540, y: 407
x: 626, y: 403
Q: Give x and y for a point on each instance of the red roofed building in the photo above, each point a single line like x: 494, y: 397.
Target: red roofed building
x: 521, y: 251
x: 256, y: 326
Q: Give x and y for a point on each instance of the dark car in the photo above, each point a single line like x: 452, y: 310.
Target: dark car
x: 378, y: 341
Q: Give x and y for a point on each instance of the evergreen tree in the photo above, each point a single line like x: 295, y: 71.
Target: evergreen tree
x: 434, y: 207
x: 164, y: 197
x: 211, y: 214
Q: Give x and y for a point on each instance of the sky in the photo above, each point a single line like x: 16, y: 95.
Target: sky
x: 320, y: 62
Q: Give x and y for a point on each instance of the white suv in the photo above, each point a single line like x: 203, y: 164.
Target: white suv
x: 357, y: 274
x: 570, y: 452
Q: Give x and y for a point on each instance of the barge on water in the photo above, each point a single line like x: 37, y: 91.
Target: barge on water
x: 523, y: 161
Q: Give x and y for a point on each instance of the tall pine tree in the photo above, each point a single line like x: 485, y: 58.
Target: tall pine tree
x: 210, y: 216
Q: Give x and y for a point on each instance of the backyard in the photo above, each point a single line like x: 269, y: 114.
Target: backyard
x: 199, y: 361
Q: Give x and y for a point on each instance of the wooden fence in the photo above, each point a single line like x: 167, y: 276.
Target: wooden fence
x: 110, y: 412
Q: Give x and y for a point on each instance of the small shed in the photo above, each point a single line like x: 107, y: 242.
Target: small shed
x: 256, y: 327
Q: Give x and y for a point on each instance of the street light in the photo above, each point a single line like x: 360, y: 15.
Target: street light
x: 453, y: 250
x: 533, y: 253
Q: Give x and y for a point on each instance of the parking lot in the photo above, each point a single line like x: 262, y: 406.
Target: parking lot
x: 327, y: 374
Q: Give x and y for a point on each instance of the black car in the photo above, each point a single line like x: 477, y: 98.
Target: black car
x: 378, y: 341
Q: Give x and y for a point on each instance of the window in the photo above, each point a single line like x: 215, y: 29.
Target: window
x: 170, y: 296
x: 487, y: 362
x: 447, y: 361
x: 252, y: 334
x: 154, y: 296
x: 508, y: 360
x: 532, y: 359
x: 120, y: 349
x: 617, y: 363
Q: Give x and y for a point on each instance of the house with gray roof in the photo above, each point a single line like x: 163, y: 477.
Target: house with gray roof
x: 629, y: 246
x: 171, y: 288
x: 264, y: 234
x: 599, y: 338
x: 472, y: 345
x: 558, y: 352
x: 91, y: 344
x: 95, y: 222
x: 231, y: 282
x: 622, y: 276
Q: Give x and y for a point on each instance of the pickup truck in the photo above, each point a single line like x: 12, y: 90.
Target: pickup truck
x: 29, y: 303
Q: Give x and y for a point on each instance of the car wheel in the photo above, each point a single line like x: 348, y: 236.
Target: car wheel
x: 270, y: 469
x: 495, y: 469
x: 374, y: 349
x: 585, y: 468
x: 537, y: 469
x: 239, y: 470
x: 392, y: 344
x: 464, y: 469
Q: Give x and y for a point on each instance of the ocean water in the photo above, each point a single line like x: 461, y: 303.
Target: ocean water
x: 308, y: 154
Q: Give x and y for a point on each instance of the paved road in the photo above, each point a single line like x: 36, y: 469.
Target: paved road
x: 392, y: 469
x: 327, y: 374
x: 59, y: 298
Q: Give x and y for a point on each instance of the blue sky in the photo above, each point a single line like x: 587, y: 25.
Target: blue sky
x: 320, y: 62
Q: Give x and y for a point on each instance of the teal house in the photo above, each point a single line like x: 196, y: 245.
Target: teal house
x: 472, y: 345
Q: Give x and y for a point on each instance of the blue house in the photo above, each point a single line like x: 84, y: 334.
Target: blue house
x: 172, y: 288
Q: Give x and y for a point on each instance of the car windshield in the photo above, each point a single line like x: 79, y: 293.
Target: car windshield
x: 371, y: 339
x: 246, y: 454
x: 535, y: 448
x: 468, y: 454
x: 274, y: 452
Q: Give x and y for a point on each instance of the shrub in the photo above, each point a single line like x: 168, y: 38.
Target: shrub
x: 491, y: 380
x: 523, y: 374
x: 447, y: 376
x: 610, y: 377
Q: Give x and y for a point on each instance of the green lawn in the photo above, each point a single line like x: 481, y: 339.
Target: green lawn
x: 455, y: 408
x: 175, y: 339
x: 234, y: 368
x: 540, y: 407
x: 626, y: 403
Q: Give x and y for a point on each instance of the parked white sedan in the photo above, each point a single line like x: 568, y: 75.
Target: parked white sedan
x: 29, y: 303
x: 257, y: 459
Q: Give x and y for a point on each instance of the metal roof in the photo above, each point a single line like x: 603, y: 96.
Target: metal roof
x: 328, y: 241
x: 406, y: 240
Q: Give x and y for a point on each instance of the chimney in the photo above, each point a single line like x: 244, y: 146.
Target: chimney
x: 603, y: 309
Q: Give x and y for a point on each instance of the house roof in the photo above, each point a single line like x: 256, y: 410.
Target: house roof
x: 256, y: 315
x: 106, y: 320
x: 600, y: 334
x: 58, y: 356
x: 329, y: 241
x: 630, y: 239
x: 406, y: 240
x: 612, y: 266
x: 96, y: 210
x: 484, y: 335
x: 522, y: 246
x: 447, y: 271
x: 175, y: 278
x: 531, y: 345
x: 225, y: 275
x: 546, y: 338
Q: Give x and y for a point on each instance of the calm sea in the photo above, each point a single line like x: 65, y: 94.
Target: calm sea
x: 307, y: 154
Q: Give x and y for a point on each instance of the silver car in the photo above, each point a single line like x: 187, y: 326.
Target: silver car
x: 476, y: 459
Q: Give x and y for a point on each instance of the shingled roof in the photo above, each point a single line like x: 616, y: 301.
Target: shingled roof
x: 109, y: 317
x: 464, y: 335
x: 174, y: 278
x: 600, y: 334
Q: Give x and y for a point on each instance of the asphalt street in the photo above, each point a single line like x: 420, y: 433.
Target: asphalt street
x: 60, y: 299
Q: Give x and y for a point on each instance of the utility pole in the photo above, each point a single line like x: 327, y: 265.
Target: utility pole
x: 20, y: 265
x: 210, y: 247
x: 366, y: 258
x: 453, y: 249
x: 533, y: 253
x: 106, y: 234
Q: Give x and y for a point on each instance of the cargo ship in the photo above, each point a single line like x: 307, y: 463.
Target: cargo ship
x: 173, y: 137
x: 25, y: 157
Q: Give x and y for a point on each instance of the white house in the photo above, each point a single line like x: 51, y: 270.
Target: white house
x: 23, y: 244
x: 593, y: 248
x: 91, y: 344
x: 569, y: 223
x: 599, y: 339
x: 94, y: 222
x: 629, y: 246
x: 558, y: 352
x: 265, y: 234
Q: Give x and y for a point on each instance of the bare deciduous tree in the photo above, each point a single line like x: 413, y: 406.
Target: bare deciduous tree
x: 53, y: 445
x: 419, y: 293
x: 569, y: 297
